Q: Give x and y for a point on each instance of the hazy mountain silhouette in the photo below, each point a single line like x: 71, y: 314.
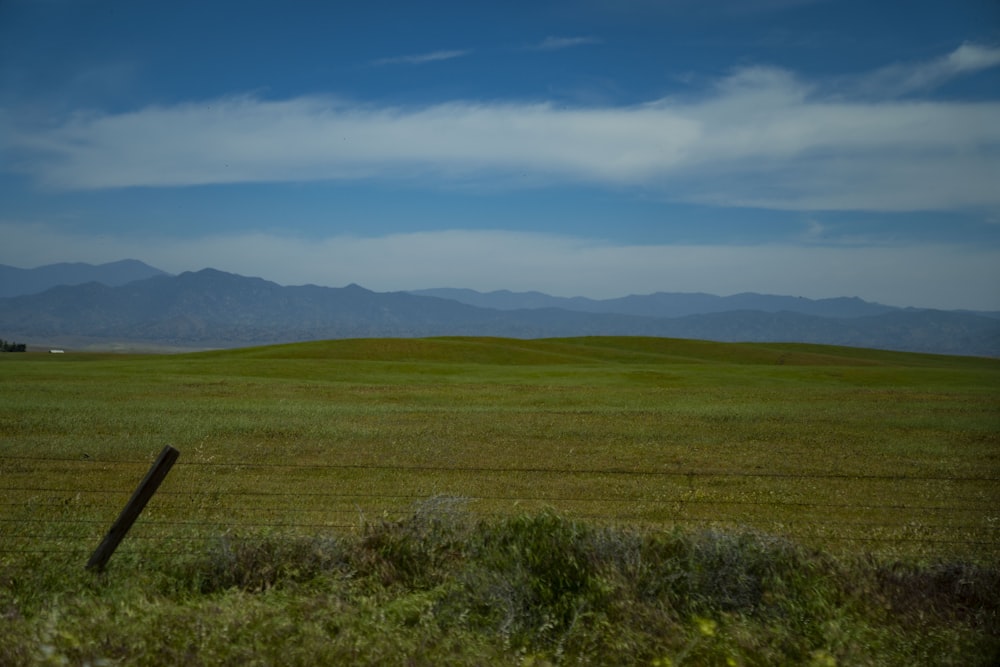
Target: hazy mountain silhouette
x: 15, y: 281
x: 211, y: 308
x: 665, y: 304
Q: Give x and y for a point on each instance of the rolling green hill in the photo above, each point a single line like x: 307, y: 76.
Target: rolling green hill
x: 498, y: 419
x: 486, y: 500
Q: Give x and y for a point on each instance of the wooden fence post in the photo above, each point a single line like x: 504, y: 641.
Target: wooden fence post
x: 147, y: 487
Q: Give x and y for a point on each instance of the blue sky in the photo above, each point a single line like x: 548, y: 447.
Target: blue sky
x: 596, y: 148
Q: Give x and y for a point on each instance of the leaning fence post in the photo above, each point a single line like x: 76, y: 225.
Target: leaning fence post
x: 147, y: 487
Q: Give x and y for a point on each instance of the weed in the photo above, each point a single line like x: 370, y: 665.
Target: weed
x: 258, y: 562
x: 537, y: 588
x: 414, y: 552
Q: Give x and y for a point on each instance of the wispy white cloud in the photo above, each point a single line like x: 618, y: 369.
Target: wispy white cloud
x: 422, y: 58
x: 247, y: 139
x: 905, y: 78
x: 937, y: 276
x: 556, y: 43
x: 761, y: 137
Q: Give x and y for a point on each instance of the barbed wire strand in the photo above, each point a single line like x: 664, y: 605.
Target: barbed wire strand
x: 812, y: 527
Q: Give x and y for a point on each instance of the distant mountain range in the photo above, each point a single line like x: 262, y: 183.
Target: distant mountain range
x: 665, y: 304
x: 17, y: 282
x: 211, y: 308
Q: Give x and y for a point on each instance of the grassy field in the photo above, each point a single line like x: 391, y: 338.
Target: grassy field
x: 855, y: 453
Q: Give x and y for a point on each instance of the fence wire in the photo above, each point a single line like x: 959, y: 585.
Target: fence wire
x: 67, y: 513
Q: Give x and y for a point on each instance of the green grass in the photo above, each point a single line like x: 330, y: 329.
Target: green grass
x: 829, y: 445
x: 438, y: 587
x: 867, y: 474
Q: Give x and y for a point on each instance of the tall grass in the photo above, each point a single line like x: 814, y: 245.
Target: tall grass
x: 442, y: 587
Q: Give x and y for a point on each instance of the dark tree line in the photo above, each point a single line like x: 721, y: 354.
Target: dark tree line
x: 11, y: 346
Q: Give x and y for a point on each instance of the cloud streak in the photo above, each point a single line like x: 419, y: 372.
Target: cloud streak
x: 422, y: 58
x: 758, y: 138
x: 936, y: 276
x: 903, y: 79
x: 558, y: 43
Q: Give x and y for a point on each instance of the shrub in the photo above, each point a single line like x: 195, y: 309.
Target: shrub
x: 439, y: 588
x: 258, y: 562
x: 418, y: 551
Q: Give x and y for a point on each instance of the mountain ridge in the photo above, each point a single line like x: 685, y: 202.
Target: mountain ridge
x: 15, y: 281
x: 665, y: 304
x: 212, y: 308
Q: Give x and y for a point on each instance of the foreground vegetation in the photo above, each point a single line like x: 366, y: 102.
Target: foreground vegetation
x: 438, y: 588
x: 625, y: 500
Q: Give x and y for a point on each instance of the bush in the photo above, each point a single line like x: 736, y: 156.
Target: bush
x: 416, y: 552
x: 533, y: 578
x: 257, y: 563
x: 440, y: 588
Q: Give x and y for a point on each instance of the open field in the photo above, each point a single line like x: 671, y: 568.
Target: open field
x: 848, y: 451
x: 842, y: 449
